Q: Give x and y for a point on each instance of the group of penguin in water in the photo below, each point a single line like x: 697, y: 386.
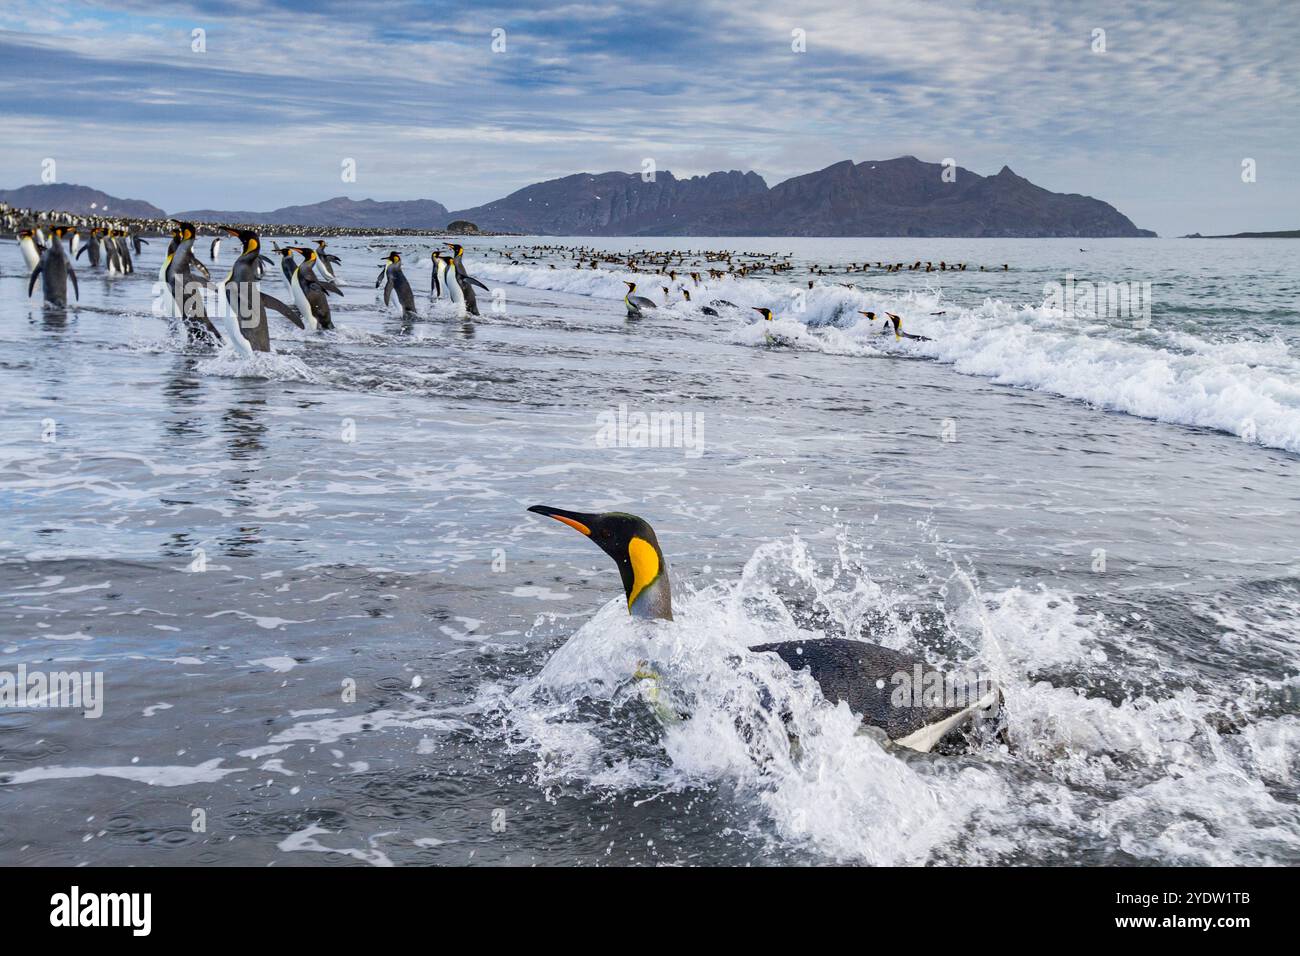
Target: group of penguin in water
x: 183, y: 277
x: 637, y: 304
x: 855, y: 672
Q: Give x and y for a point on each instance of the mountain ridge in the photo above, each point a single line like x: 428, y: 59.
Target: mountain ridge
x: 904, y: 196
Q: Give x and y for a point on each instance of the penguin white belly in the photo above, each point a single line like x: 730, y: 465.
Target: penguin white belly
x: 457, y: 294
x: 228, y: 326
x: 304, y: 307
x: 30, y: 255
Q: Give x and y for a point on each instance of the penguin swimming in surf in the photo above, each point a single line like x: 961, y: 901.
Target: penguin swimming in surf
x: 865, y: 676
x: 899, y: 334
x: 635, y: 303
x: 54, y: 271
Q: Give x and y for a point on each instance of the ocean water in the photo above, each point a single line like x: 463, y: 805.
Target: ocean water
x: 329, y: 633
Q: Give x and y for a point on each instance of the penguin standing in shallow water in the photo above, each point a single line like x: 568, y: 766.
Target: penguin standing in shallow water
x: 327, y: 261
x: 394, y: 280
x: 54, y: 271
x: 30, y: 250
x: 464, y: 280
x: 311, y: 293
x: 186, y: 289
x: 248, y: 303
x: 864, y: 676
x: 92, y: 248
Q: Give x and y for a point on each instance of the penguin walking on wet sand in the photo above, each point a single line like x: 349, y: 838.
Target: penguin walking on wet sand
x: 865, y: 676
x: 394, y: 280
x: 54, y: 271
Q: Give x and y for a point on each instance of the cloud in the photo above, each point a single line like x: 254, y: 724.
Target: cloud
x: 1157, y: 124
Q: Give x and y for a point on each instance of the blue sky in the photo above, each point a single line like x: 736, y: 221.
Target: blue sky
x: 1158, y: 124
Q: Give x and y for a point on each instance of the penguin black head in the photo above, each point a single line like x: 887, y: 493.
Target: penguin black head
x: 307, y: 252
x: 188, y: 231
x: 393, y: 257
x: 631, y: 542
x: 765, y: 313
x: 246, y: 236
x: 456, y: 248
x: 870, y: 315
x: 631, y: 286
x: 898, y: 325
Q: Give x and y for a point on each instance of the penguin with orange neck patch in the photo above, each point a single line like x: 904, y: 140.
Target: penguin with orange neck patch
x: 863, y: 675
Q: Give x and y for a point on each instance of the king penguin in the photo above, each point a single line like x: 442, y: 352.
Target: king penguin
x: 862, y: 675
x: 54, y: 271
x: 635, y: 303
x: 248, y: 303
x: 311, y: 293
x: 31, y: 251
x: 395, y: 281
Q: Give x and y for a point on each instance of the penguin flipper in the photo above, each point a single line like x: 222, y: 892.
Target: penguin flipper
x: 477, y: 283
x: 388, y: 291
x: 80, y: 251
x: 72, y: 274
x: 31, y: 283
x: 288, y: 311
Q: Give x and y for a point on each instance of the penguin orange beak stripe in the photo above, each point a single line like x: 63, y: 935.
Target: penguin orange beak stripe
x: 562, y: 516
